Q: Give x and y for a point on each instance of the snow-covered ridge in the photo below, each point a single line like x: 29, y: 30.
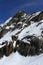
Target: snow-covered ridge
x: 34, y: 14
x: 6, y: 22
x: 26, y: 26
x: 25, y: 15
x: 22, y: 27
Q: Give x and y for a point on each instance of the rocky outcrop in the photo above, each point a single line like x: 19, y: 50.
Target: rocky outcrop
x: 6, y: 49
x: 38, y: 17
x: 3, y: 32
x: 35, y: 47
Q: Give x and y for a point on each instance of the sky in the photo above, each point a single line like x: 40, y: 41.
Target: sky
x: 9, y: 8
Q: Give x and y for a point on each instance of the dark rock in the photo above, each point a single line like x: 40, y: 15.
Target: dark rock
x: 3, y: 32
x: 1, y: 52
x: 34, y: 48
x: 19, y: 14
x: 5, y: 48
x: 32, y: 51
x: 10, y: 49
x: 38, y: 17
x: 14, y: 38
x: 22, y: 48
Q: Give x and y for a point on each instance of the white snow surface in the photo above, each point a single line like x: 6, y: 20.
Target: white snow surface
x: 17, y: 59
x: 33, y: 29
x: 8, y: 35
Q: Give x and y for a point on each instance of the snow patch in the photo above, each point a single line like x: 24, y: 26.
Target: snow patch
x: 17, y: 59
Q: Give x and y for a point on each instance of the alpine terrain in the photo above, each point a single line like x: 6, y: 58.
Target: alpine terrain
x: 21, y: 39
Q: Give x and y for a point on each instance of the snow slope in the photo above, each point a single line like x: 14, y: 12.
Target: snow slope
x: 8, y: 35
x: 33, y: 29
x: 17, y: 59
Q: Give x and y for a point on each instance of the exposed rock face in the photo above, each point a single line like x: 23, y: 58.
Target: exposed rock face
x: 3, y: 32
x: 23, y: 33
x: 22, y: 47
x: 38, y: 17
x: 6, y: 49
x: 35, y: 46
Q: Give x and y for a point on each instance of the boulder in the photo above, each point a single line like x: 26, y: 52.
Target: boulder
x: 10, y: 48
x: 22, y: 47
x: 34, y: 48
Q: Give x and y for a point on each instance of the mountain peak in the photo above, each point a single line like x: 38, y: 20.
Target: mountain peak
x: 22, y: 31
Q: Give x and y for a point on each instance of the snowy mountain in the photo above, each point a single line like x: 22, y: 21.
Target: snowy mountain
x: 21, y: 39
